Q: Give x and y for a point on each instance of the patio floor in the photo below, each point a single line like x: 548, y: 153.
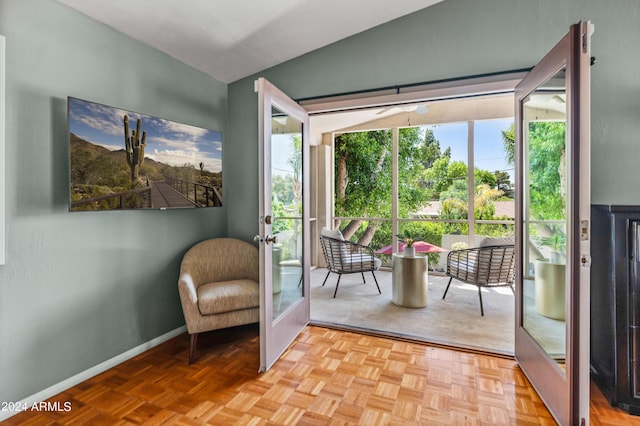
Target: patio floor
x: 455, y: 320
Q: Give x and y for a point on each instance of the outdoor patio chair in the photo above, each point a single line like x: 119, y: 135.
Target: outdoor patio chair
x: 490, y: 265
x: 346, y: 257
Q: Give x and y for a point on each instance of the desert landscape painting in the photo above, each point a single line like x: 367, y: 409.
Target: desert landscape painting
x: 121, y: 159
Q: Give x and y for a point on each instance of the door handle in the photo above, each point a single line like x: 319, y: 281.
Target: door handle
x: 271, y: 239
x: 268, y: 239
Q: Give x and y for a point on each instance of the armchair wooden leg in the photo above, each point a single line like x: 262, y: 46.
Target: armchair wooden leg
x: 480, y: 296
x: 364, y: 281
x: 447, y: 289
x: 193, y: 341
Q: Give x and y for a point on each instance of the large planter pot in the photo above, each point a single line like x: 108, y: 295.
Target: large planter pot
x: 550, y: 289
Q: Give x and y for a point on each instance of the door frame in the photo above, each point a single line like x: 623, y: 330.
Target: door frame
x: 495, y: 84
x: 569, y: 404
x: 277, y: 334
x: 440, y: 90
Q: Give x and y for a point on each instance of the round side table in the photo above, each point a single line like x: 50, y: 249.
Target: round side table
x: 409, y: 281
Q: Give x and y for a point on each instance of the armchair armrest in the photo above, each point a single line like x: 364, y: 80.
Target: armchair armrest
x: 462, y: 264
x: 482, y: 265
x: 189, y: 299
x: 187, y: 288
x: 357, y: 248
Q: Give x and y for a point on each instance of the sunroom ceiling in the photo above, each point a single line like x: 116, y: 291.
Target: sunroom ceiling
x: 418, y: 114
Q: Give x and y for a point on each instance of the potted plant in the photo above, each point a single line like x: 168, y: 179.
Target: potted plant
x: 408, y: 239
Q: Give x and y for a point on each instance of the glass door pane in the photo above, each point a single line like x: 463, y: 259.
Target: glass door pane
x: 286, y: 205
x: 545, y: 202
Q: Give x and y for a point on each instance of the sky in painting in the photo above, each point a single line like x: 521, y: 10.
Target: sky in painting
x: 167, y: 142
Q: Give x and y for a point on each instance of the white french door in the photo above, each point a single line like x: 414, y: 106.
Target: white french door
x: 552, y: 226
x: 283, y: 221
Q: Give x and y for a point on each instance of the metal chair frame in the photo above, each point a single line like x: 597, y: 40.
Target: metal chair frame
x: 346, y: 257
x: 490, y: 266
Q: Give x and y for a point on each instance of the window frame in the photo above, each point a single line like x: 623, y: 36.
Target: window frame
x: 2, y: 148
x: 495, y: 84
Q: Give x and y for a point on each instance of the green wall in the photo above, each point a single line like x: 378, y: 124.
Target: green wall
x: 458, y: 38
x: 80, y: 288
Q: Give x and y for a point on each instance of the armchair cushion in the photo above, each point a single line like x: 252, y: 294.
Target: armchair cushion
x: 490, y: 241
x: 358, y: 262
x: 332, y: 233
x: 227, y: 296
x: 337, y: 236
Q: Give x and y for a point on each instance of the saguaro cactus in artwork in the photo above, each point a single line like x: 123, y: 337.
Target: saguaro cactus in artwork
x: 134, y: 147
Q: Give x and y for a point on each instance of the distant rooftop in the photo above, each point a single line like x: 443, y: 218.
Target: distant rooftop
x: 503, y: 208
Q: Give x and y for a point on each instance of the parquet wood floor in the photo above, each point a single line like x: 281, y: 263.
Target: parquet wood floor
x: 326, y: 377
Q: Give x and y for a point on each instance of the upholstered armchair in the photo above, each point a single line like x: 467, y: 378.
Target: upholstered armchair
x: 219, y: 286
x: 490, y: 265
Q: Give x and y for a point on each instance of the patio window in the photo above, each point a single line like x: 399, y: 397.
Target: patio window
x: 448, y: 179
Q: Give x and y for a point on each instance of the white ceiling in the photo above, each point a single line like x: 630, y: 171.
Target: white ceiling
x: 232, y: 39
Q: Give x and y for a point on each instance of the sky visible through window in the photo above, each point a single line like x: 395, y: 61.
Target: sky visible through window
x: 489, y: 154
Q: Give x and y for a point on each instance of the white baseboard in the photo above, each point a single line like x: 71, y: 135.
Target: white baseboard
x: 91, y: 372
